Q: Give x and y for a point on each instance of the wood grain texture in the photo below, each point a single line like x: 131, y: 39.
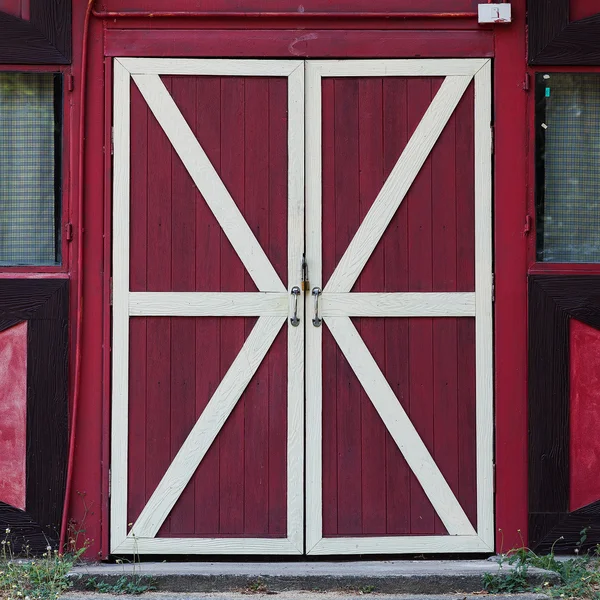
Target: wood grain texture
x: 321, y: 43
x: 384, y: 114
x: 188, y: 282
x: 44, y: 305
x: 553, y: 300
x: 555, y: 40
x: 43, y: 39
x: 26, y: 535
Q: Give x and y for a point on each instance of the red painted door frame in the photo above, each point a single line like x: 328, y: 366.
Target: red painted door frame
x: 507, y: 45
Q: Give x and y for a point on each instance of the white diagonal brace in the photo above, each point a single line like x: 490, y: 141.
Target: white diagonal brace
x: 209, y: 183
x: 398, y: 183
x: 400, y: 427
x: 207, y: 427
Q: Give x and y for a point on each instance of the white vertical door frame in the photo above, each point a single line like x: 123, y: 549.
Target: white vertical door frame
x: 338, y: 305
x: 273, y: 305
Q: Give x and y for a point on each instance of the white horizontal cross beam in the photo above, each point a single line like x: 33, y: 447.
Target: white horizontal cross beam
x: 208, y: 304
x: 398, y: 304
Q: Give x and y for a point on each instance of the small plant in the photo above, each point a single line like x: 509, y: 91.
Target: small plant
x: 366, y: 589
x: 579, y: 576
x: 256, y: 587
x: 512, y: 583
x: 22, y: 577
x: 132, y: 585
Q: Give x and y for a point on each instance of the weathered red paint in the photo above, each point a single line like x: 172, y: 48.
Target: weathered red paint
x: 510, y: 254
x: 584, y: 415
x: 13, y: 414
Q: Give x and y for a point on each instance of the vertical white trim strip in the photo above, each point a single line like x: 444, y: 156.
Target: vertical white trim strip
x: 484, y: 336
x: 398, y: 183
x: 400, y: 426
x: 207, y: 427
x: 209, y: 183
x: 314, y: 367
x: 295, y: 349
x: 120, y: 343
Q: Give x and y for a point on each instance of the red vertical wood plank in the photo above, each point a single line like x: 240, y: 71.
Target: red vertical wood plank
x: 183, y: 335
x: 256, y: 396
x: 373, y: 431
x: 158, y: 341
x: 137, y: 326
x: 277, y: 357
x: 444, y: 235
x: 346, y: 224
x: 231, y: 447
x: 208, y: 278
x: 395, y: 137
x: 329, y: 419
x: 465, y: 281
x: 420, y: 330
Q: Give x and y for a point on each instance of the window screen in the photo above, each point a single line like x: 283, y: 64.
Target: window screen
x: 568, y: 167
x: 30, y: 135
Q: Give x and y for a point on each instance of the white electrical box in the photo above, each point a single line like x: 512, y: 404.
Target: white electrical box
x: 494, y: 13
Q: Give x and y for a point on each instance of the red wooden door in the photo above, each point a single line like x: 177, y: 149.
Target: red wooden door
x: 399, y: 376
x: 209, y: 377
x: 207, y: 371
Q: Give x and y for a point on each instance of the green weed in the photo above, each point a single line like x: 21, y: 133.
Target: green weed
x: 126, y: 584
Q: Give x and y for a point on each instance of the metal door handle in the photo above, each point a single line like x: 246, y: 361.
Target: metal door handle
x: 295, y: 321
x: 316, y: 292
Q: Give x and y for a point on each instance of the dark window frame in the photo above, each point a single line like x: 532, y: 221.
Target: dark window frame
x: 43, y: 39
x: 556, y: 40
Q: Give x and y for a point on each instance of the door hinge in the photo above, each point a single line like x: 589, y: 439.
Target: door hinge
x: 109, y: 483
x: 527, y: 228
x: 526, y: 84
x: 493, y: 287
x: 69, y: 232
x: 112, y: 141
x: 493, y: 137
x: 110, y: 291
x: 305, y: 285
x: 70, y: 82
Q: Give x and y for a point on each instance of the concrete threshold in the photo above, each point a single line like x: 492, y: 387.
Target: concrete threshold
x: 383, y: 577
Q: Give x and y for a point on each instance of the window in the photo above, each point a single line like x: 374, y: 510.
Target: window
x: 568, y: 167
x: 30, y: 171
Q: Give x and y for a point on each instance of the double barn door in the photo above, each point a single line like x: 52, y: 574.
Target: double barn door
x: 302, y: 293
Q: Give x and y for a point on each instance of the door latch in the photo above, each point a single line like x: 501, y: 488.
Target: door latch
x: 305, y: 285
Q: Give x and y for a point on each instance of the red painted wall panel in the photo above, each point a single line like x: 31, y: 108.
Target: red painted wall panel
x: 292, y: 5
x: 13, y: 414
x: 580, y: 9
x: 428, y: 246
x: 584, y: 412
